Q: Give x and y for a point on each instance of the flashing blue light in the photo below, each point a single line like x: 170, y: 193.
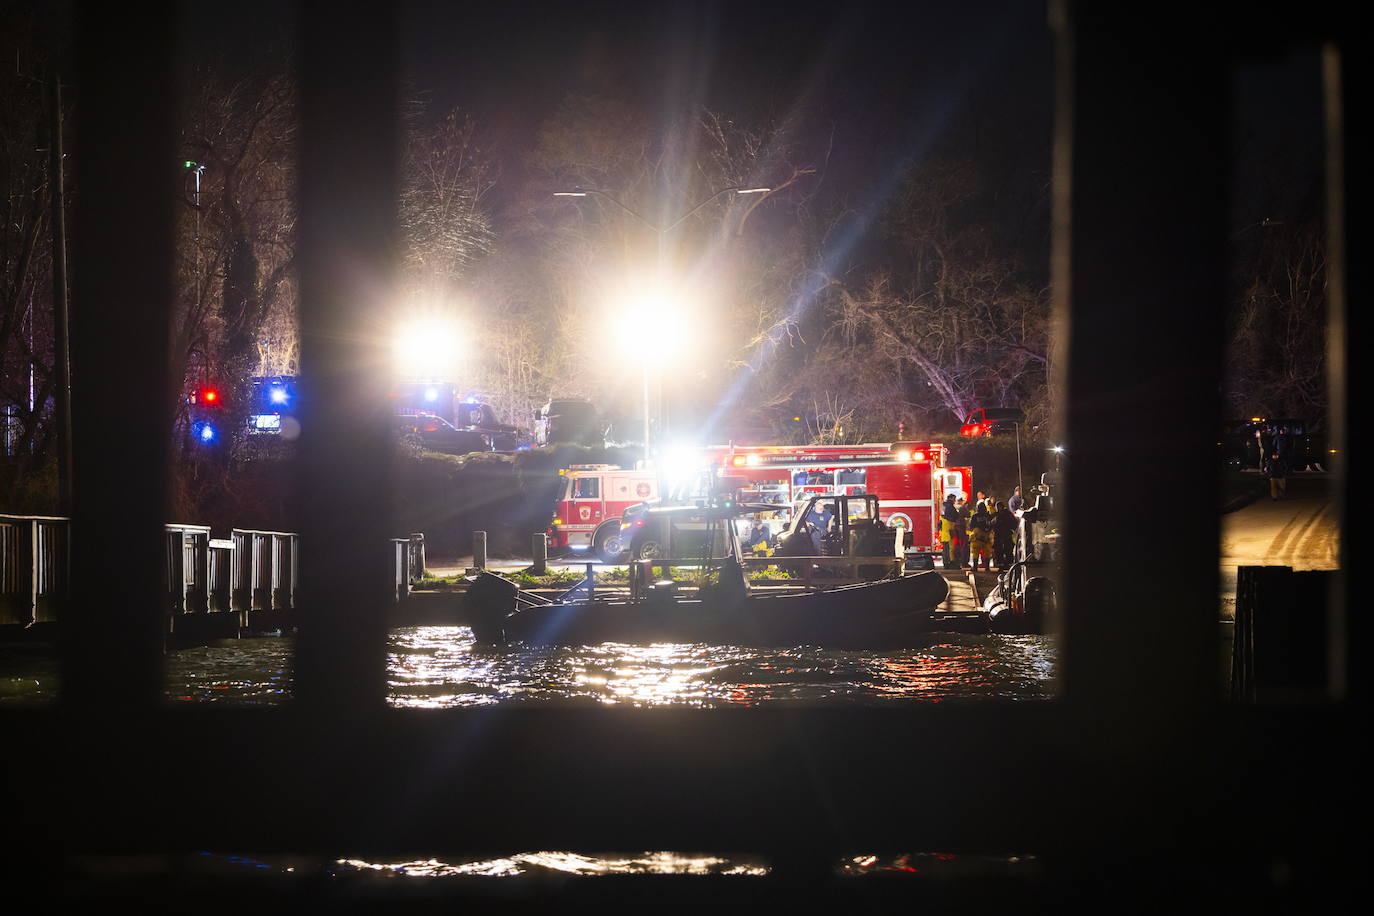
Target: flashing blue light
x: 278, y: 396
x: 205, y: 432
x: 431, y: 394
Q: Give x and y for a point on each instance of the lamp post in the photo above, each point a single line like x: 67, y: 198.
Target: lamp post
x: 661, y: 233
x: 1019, y: 481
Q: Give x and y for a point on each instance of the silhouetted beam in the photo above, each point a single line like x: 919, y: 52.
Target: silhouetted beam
x: 125, y: 173
x: 348, y: 197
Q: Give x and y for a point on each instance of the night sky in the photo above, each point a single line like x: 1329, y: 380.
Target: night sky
x: 890, y: 82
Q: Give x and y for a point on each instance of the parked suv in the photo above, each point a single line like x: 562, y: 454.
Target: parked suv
x: 436, y: 434
x: 571, y: 420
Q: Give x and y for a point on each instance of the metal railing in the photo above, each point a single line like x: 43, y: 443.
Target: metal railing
x: 188, y: 569
x: 34, y: 568
x: 262, y: 570
x: 251, y: 570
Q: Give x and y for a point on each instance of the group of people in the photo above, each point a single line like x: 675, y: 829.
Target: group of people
x: 984, y: 533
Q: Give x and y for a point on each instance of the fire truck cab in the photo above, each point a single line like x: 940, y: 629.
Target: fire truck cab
x: 590, y: 502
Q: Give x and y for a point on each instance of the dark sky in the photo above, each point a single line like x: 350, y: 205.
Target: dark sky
x: 893, y: 81
x: 897, y: 70
x: 889, y: 81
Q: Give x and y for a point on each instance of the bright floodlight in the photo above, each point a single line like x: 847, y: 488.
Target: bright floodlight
x: 569, y: 193
x: 753, y: 190
x: 678, y: 466
x: 654, y: 326
x: 426, y: 348
x: 1058, y: 449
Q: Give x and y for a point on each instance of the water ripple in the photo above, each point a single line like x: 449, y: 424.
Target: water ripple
x: 441, y: 667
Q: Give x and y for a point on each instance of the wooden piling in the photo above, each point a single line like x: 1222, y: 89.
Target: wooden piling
x: 539, y: 550
x: 417, y: 555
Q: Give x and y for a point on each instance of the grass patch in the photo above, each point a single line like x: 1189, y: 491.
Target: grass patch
x: 441, y: 583
x: 527, y: 579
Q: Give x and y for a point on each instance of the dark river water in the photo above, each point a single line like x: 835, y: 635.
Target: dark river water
x: 439, y: 667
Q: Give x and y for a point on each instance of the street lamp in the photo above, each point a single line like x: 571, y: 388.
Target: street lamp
x: 426, y: 347
x: 661, y: 232
x: 1058, y: 455
x: 1019, y: 481
x: 658, y: 308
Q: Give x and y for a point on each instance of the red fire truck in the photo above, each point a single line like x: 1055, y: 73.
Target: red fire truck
x: 910, y: 480
x: 592, y: 495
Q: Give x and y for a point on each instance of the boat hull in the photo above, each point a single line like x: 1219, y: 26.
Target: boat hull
x: 889, y: 613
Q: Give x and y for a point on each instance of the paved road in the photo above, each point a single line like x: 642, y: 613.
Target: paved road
x: 1299, y: 531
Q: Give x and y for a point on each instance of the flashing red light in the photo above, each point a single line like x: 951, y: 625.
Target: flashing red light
x: 208, y: 396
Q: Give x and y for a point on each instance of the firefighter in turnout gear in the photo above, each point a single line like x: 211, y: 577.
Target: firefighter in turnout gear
x: 980, y: 536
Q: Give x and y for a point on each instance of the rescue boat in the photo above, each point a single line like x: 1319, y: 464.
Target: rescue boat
x: 886, y: 613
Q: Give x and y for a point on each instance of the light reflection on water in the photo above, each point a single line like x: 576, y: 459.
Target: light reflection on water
x: 441, y: 667
x: 540, y: 865
x: 565, y: 863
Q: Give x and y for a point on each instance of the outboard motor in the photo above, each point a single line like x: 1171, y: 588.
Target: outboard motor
x: 489, y: 601
x: 1027, y: 612
x: 1037, y: 603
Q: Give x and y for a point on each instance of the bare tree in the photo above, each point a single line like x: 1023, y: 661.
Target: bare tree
x: 1277, y: 353
x: 236, y: 254
x: 26, y: 375
x: 952, y: 324
x: 444, y: 223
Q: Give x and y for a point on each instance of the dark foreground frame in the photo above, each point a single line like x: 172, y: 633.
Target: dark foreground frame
x: 1127, y: 785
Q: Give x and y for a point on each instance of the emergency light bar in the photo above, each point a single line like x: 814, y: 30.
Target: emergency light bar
x: 810, y: 459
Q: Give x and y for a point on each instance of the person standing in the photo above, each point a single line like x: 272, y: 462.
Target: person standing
x: 1017, y: 501
x: 980, y: 536
x: 1004, y: 524
x: 959, y: 545
x: 1276, y: 469
x: 757, y: 540
x: 949, y: 518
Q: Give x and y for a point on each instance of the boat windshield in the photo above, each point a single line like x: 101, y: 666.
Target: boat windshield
x: 860, y: 509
